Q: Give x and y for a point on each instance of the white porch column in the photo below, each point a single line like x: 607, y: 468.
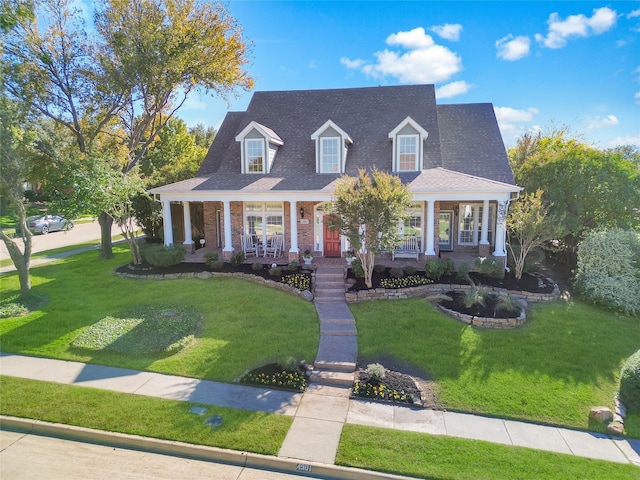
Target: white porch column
x: 293, y: 227
x: 484, y: 234
x: 430, y: 250
x: 188, y: 240
x: 501, y: 228
x: 228, y: 244
x: 168, y: 225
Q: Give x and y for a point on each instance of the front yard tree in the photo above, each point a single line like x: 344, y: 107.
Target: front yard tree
x: 530, y: 227
x: 367, y: 210
x: 130, y: 78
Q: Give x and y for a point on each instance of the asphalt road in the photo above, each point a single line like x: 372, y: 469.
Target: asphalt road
x: 81, y: 233
x: 32, y: 457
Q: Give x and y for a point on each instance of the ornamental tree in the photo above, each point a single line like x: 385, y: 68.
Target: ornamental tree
x: 530, y: 227
x: 367, y: 209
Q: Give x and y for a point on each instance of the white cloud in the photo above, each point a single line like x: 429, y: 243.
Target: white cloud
x: 597, y: 123
x: 511, y: 120
x: 413, y: 39
x: 511, y: 115
x: 513, y: 48
x: 634, y: 14
x: 637, y: 98
x: 602, y: 20
x: 448, y: 31
x: 423, y: 61
x: 453, y: 89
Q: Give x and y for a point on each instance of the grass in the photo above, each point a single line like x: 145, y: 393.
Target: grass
x: 565, y: 360
x: 245, y: 325
x: 146, y: 416
x: 440, y: 457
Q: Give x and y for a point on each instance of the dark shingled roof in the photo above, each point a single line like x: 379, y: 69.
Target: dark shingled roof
x: 462, y: 138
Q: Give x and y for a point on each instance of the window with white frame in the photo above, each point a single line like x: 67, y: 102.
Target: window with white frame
x: 412, y: 224
x: 407, y: 153
x: 263, y: 219
x: 330, y: 155
x: 470, y: 224
x: 254, y: 155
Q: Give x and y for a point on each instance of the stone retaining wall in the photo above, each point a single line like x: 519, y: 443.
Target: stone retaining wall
x: 206, y: 275
x: 487, y: 322
x: 424, y: 290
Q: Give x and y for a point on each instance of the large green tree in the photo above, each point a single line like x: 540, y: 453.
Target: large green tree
x: 131, y: 78
x: 589, y: 188
x: 367, y: 209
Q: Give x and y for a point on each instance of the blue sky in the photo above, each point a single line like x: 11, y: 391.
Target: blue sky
x: 541, y: 64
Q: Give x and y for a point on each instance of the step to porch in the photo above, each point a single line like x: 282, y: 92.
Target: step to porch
x: 332, y: 378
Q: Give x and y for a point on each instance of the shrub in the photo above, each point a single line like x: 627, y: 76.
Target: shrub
x: 292, y: 266
x: 410, y: 270
x: 237, y: 259
x: 256, y: 266
x: 216, y: 265
x: 378, y: 268
x: 630, y: 383
x: 376, y: 372
x: 358, y: 271
x: 437, y: 267
x: 463, y: 271
x: 396, y: 272
x: 161, y: 256
x: 210, y: 257
x: 275, y: 271
x: 608, y: 269
x: 490, y: 267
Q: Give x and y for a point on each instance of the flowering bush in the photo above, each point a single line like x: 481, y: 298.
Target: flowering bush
x: 280, y: 378
x: 300, y: 281
x: 409, y: 281
x: 380, y: 392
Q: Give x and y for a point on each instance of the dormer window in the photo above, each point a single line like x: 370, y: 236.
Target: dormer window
x: 331, y: 148
x: 330, y: 155
x: 255, y: 155
x: 258, y: 146
x: 408, y: 139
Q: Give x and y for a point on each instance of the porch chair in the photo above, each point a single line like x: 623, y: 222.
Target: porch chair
x: 274, y: 246
x: 249, y: 246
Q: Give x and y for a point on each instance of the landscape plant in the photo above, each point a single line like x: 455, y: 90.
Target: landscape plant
x: 608, y: 271
x: 630, y: 383
x: 366, y: 209
x: 162, y: 256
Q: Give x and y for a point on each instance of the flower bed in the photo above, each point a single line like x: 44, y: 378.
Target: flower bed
x: 394, y: 388
x: 274, y: 375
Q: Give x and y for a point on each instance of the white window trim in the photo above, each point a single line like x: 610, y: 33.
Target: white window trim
x: 268, y: 136
x: 416, y: 153
x: 394, y: 135
x: 246, y: 159
x: 322, y: 153
x: 343, y: 142
x: 477, y: 220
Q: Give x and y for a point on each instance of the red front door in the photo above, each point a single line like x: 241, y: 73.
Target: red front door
x: 331, y: 240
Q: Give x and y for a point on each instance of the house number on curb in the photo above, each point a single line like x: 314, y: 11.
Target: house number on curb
x: 303, y: 467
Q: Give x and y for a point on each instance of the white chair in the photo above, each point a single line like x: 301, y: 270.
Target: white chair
x: 249, y: 246
x: 409, y: 247
x: 274, y: 246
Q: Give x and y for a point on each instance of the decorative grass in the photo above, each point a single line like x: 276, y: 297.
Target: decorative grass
x: 146, y: 416
x: 245, y: 324
x: 565, y: 360
x: 427, y: 456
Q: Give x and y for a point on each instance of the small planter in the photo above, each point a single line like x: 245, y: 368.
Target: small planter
x: 307, y: 260
x: 349, y: 260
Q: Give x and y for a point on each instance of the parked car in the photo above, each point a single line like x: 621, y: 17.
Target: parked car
x: 48, y: 223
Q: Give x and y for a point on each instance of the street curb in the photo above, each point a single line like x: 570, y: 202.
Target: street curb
x: 186, y: 450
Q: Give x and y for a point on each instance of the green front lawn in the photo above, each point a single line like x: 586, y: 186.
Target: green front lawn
x: 428, y: 456
x: 245, y: 324
x: 242, y: 430
x: 565, y: 360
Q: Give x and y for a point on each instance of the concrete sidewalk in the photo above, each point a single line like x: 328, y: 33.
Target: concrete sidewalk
x: 321, y: 411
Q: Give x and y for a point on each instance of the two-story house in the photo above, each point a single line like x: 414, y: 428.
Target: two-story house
x: 272, y: 169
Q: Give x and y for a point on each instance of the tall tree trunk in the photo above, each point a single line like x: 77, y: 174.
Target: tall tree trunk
x: 106, y: 246
x: 21, y: 260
